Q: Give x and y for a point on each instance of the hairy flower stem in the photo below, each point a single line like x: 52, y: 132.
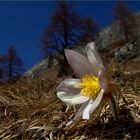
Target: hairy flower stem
x: 113, y: 107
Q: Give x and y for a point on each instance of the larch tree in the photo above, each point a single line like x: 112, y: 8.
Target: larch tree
x: 63, y: 31
x: 13, y: 64
x: 90, y: 28
x: 125, y: 18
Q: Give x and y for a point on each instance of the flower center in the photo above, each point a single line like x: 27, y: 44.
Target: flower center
x: 89, y: 86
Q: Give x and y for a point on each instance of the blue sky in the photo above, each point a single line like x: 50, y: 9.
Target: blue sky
x: 22, y: 23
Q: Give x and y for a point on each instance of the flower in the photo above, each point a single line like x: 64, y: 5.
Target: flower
x: 92, y: 87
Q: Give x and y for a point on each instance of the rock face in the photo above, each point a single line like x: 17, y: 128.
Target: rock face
x: 130, y: 50
x: 113, y: 33
x: 106, y: 40
x: 108, y: 35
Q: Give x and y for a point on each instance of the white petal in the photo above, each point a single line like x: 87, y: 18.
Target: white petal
x: 87, y: 108
x: 79, y: 63
x: 69, y: 84
x: 86, y: 112
x: 93, y: 105
x: 94, y: 57
x: 78, y: 114
x: 72, y: 99
x: 67, y: 93
x: 80, y: 111
x: 102, y: 79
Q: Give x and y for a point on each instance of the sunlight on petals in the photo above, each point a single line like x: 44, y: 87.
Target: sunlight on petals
x: 79, y: 63
x: 94, y: 57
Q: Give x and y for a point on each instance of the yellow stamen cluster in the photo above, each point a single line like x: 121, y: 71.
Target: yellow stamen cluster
x: 89, y: 86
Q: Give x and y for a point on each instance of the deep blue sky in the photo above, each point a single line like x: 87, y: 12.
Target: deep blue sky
x: 22, y: 23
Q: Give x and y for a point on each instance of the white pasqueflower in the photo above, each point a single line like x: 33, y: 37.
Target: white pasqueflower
x: 93, y: 86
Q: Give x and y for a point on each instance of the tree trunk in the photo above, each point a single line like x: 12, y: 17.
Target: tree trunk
x: 10, y: 71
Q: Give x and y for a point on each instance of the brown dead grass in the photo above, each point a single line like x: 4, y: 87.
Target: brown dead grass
x: 29, y: 109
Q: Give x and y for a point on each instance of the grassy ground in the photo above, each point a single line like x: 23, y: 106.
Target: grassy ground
x: 30, y: 109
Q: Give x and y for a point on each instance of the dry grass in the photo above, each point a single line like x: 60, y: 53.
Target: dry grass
x: 29, y: 109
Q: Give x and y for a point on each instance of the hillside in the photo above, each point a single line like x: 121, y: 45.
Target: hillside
x: 30, y: 109
x: 109, y: 40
